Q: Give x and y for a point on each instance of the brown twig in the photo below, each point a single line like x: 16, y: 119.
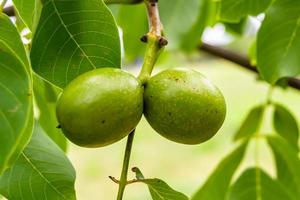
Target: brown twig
x: 241, y: 60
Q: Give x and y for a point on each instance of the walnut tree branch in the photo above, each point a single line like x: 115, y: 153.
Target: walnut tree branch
x: 241, y: 60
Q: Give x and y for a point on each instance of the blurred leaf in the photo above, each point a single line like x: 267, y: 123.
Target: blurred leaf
x: 220, y: 178
x: 178, y: 17
x: 41, y: 172
x: 46, y: 97
x: 192, y: 38
x: 234, y: 10
x: 278, y: 47
x: 10, y: 40
x: 289, y: 161
x: 74, y: 37
x: 16, y: 113
x: 256, y: 184
x: 25, y: 10
x: 159, y: 190
x: 284, y: 175
x: 251, y: 124
x: 133, y: 21
x: 286, y: 125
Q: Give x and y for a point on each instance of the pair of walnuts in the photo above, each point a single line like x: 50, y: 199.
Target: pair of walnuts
x: 103, y: 106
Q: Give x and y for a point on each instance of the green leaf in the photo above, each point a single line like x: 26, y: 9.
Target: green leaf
x: 74, y: 37
x: 234, y: 10
x: 41, y: 172
x: 10, y: 40
x: 25, y: 10
x: 220, y: 178
x: 289, y: 161
x: 278, y: 46
x: 133, y: 21
x: 256, y: 184
x: 236, y: 28
x: 178, y: 17
x: 46, y: 96
x: 192, y: 38
x: 284, y: 176
x: 286, y: 125
x: 16, y: 113
x: 159, y: 189
x: 251, y: 124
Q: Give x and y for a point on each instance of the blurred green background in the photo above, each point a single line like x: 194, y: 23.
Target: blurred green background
x: 183, y: 167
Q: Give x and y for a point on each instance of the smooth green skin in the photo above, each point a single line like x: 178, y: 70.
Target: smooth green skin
x: 100, y: 107
x: 183, y: 106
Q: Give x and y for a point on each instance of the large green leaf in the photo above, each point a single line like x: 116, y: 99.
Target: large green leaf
x: 10, y: 40
x: 288, y: 162
x: 159, y: 189
x: 16, y: 110
x: 286, y: 125
x: 25, y: 9
x: 74, y: 37
x: 235, y: 10
x: 41, y: 172
x: 278, y: 45
x: 256, y: 184
x: 46, y: 96
x: 133, y: 21
x: 220, y: 178
x: 251, y: 124
x: 178, y: 17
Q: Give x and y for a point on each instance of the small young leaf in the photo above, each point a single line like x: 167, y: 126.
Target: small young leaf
x: 256, y: 184
x: 286, y: 125
x: 235, y: 10
x: 25, y: 10
x: 251, y: 124
x: 278, y: 46
x: 16, y: 114
x: 42, y: 172
x: 159, y: 190
x: 289, y: 157
x: 46, y: 96
x: 74, y: 37
x: 220, y: 178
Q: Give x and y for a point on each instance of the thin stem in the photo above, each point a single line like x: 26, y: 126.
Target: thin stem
x: 269, y: 95
x: 123, y: 179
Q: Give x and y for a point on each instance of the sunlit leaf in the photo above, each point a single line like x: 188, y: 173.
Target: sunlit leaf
x: 16, y: 113
x: 278, y: 45
x: 256, y: 184
x: 74, y: 37
x: 286, y: 125
x: 221, y: 177
x: 41, y: 172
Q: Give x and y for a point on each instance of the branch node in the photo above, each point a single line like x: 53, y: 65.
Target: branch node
x: 114, y: 179
x: 144, y: 38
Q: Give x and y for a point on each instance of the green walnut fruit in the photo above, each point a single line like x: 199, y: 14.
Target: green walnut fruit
x: 100, y: 107
x: 183, y: 106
